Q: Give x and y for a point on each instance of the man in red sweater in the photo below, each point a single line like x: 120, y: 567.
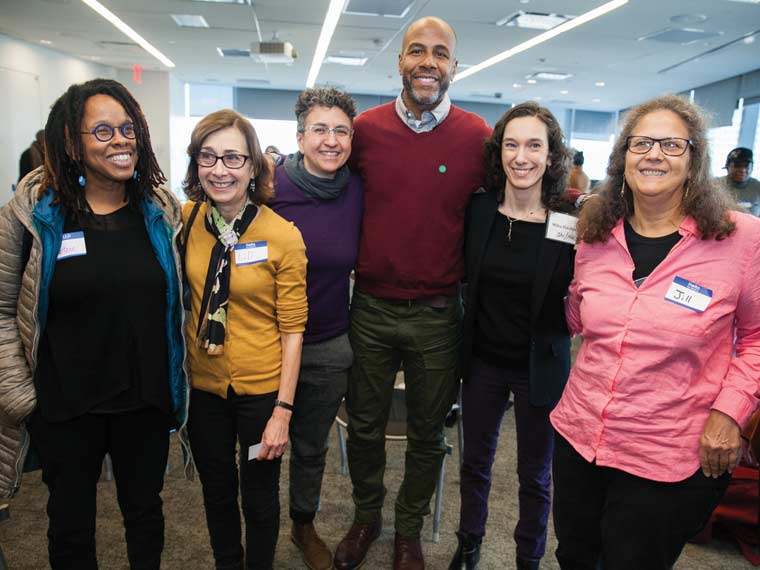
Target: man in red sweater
x: 420, y: 158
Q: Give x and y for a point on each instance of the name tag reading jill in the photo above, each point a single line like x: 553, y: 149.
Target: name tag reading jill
x: 561, y: 227
x: 72, y: 245
x: 252, y: 252
x: 688, y: 294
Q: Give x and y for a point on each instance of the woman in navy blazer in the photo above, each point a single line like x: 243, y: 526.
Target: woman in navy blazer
x: 515, y: 335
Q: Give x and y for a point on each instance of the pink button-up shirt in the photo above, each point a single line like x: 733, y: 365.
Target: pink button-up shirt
x: 650, y: 370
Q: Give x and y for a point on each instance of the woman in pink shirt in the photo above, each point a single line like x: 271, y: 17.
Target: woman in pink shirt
x: 666, y: 294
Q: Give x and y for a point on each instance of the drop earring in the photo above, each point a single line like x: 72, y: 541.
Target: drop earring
x: 135, y: 175
x: 622, y: 188
x: 82, y: 180
x: 252, y: 185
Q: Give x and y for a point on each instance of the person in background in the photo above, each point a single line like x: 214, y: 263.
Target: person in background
x: 578, y: 179
x: 246, y: 272
x: 33, y: 157
x: 744, y: 189
x: 420, y: 159
x: 271, y: 149
x: 316, y: 191
x: 92, y: 359
x: 515, y: 334
x: 666, y: 294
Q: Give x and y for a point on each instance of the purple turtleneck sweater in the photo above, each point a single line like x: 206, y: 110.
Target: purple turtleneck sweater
x: 330, y: 230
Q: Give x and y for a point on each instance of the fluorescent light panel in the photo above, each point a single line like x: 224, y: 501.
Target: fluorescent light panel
x: 541, y: 38
x: 346, y: 60
x: 128, y: 31
x: 328, y: 29
x: 190, y: 21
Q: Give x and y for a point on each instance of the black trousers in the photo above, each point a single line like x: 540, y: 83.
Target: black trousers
x: 72, y: 455
x: 215, y: 427
x: 623, y: 521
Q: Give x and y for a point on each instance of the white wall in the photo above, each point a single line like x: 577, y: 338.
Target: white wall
x: 153, y: 95
x: 31, y: 79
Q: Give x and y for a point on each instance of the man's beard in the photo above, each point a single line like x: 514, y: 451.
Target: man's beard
x: 425, y: 100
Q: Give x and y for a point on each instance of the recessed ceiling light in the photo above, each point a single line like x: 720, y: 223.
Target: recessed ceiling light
x: 46, y: 42
x: 550, y: 76
x: 190, y: 21
x: 517, y: 85
x: 532, y: 81
x: 596, y: 100
x: 224, y: 52
x: 749, y: 40
x: 564, y: 92
x: 537, y: 98
x: 533, y: 20
x: 386, y: 8
x: 688, y: 18
x: 346, y: 60
x: 599, y: 83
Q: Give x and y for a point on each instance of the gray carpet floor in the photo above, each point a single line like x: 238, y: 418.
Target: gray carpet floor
x: 23, y: 537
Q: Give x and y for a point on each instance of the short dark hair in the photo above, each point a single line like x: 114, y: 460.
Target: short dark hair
x: 217, y: 121
x: 322, y: 97
x: 64, y: 148
x: 578, y: 159
x: 554, y: 179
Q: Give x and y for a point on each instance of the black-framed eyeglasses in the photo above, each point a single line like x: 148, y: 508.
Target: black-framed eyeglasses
x: 671, y: 146
x: 104, y: 132
x: 320, y: 130
x: 231, y: 160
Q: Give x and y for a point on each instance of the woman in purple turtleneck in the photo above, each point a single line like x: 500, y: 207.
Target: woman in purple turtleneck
x: 315, y: 190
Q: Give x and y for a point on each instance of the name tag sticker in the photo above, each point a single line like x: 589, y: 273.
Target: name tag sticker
x: 251, y: 252
x: 561, y: 227
x: 688, y: 294
x: 72, y: 245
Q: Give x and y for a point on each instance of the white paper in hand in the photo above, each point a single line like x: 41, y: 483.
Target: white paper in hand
x: 253, y: 451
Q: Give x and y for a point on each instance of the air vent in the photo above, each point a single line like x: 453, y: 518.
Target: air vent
x: 386, y: 8
x: 252, y: 82
x: 190, y: 21
x: 346, y: 60
x: 549, y: 76
x: 533, y: 20
x: 682, y: 36
x: 233, y: 52
x: 273, y: 52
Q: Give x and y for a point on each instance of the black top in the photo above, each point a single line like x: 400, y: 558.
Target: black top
x: 104, y: 348
x: 647, y: 252
x: 502, y: 323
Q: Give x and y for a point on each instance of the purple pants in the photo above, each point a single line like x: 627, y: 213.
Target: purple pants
x: 484, y: 400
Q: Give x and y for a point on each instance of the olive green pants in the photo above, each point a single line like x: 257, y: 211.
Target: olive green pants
x: 384, y: 334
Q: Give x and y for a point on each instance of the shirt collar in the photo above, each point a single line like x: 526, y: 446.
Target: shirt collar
x: 688, y: 227
x: 429, y: 120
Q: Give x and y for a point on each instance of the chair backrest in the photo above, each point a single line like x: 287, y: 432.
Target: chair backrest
x: 751, y: 434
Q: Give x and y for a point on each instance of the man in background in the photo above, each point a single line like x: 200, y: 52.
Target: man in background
x: 745, y: 189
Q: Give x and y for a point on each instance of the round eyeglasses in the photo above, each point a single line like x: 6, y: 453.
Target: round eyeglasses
x: 104, y: 132
x: 232, y: 161
x: 670, y: 146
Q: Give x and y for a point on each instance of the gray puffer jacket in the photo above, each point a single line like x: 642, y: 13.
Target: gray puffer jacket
x: 20, y: 327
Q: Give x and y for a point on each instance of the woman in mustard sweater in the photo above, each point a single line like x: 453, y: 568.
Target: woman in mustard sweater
x: 246, y: 272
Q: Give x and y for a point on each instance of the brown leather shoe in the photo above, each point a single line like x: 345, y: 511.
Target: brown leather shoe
x: 407, y: 553
x: 352, y: 550
x: 315, y: 553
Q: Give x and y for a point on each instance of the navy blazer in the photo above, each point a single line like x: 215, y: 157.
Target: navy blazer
x: 550, y: 339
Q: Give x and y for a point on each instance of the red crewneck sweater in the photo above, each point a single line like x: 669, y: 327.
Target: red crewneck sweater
x: 417, y: 187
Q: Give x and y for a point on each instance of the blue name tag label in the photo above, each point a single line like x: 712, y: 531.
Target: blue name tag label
x: 251, y: 252
x: 72, y: 245
x: 689, y: 294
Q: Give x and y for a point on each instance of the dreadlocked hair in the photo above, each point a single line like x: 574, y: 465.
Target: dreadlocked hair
x: 64, y: 149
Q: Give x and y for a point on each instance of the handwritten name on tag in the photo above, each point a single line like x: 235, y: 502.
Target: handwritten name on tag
x: 251, y: 252
x: 688, y: 294
x: 561, y: 227
x: 72, y: 245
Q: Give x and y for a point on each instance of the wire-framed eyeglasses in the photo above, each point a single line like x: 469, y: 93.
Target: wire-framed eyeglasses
x: 671, y: 146
x: 321, y: 130
x: 105, y: 132
x: 231, y: 160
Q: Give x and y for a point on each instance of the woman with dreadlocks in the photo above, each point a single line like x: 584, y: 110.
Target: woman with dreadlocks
x: 91, y: 357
